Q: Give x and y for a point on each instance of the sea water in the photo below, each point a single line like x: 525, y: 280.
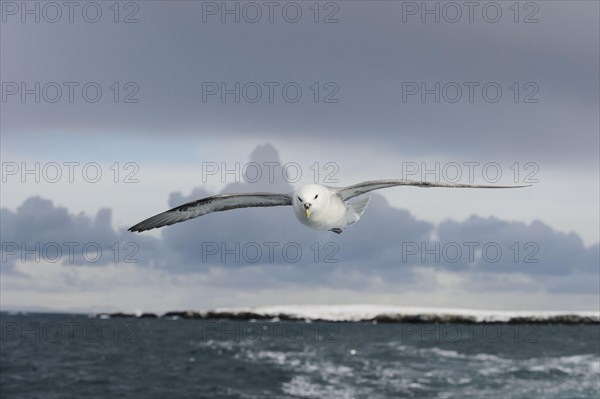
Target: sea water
x: 74, y: 356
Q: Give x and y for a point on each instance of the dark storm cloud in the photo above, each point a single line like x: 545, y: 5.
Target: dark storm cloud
x: 368, y: 54
x: 262, y: 245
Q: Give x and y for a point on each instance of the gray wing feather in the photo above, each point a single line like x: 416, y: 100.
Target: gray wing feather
x: 357, y: 189
x: 216, y: 203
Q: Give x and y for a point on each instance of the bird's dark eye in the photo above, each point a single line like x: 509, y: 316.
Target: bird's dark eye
x: 300, y: 199
x: 316, y: 196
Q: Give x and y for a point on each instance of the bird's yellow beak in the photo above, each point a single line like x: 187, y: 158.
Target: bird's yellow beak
x: 308, y: 212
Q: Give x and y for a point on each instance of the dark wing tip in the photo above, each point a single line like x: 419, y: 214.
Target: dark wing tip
x: 145, y: 225
x: 157, y: 221
x: 137, y: 229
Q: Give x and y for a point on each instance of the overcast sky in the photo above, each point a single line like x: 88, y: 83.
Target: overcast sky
x: 112, y: 114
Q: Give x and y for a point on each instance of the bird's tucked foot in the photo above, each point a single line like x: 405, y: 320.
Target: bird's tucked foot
x: 336, y: 230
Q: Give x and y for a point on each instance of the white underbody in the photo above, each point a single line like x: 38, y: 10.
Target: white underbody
x: 328, y: 212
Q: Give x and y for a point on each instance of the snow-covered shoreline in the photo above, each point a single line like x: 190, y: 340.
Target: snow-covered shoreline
x: 383, y: 313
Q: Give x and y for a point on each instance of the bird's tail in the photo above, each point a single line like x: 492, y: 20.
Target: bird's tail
x: 358, y: 207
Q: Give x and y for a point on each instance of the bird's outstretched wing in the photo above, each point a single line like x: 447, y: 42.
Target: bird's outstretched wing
x: 357, y: 189
x: 216, y: 203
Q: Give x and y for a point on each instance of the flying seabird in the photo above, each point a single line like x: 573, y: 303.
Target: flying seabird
x: 316, y: 206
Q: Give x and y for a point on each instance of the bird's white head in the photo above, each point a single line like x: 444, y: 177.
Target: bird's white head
x: 310, y: 199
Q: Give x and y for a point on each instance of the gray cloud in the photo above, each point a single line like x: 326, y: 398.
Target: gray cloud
x: 39, y: 231
x: 388, y: 245
x: 368, y: 54
x: 534, y: 249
